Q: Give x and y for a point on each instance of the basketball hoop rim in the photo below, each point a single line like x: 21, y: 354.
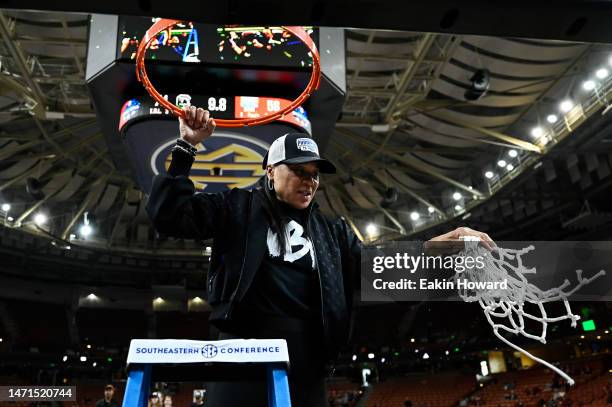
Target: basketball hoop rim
x: 163, y: 24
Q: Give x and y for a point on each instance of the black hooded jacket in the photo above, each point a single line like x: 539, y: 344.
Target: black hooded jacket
x: 238, y: 223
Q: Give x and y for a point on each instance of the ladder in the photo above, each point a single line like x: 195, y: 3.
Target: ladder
x: 180, y: 359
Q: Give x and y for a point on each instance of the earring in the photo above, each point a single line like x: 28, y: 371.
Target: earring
x: 270, y: 184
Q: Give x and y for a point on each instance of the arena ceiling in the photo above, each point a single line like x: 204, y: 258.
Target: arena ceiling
x: 408, y: 142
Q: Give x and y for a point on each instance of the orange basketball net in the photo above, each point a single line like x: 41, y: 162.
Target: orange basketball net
x: 163, y: 24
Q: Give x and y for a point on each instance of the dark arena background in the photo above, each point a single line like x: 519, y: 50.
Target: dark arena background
x: 440, y: 114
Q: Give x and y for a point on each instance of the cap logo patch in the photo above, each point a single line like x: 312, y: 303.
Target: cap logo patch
x: 306, y: 144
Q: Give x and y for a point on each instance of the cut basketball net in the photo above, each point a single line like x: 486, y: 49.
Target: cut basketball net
x: 507, y: 264
x: 164, y: 24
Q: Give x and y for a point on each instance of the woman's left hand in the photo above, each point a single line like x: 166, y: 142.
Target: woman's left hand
x: 453, y: 238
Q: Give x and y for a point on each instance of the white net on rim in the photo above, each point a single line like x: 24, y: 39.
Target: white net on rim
x: 509, y: 304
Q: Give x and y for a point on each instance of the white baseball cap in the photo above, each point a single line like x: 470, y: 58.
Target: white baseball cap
x: 296, y: 148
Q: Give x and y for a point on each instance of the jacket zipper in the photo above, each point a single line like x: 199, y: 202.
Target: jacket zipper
x: 246, y: 247
x: 314, y: 253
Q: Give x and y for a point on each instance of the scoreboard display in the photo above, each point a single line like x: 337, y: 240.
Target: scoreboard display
x: 220, y: 107
x: 251, y: 107
x: 190, y: 42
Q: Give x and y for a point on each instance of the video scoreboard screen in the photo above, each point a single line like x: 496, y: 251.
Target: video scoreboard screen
x: 220, y: 107
x: 190, y: 42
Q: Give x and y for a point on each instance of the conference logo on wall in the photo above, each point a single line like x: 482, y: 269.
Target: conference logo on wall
x: 223, y: 161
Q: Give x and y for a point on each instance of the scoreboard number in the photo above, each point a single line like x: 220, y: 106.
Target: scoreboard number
x: 217, y: 105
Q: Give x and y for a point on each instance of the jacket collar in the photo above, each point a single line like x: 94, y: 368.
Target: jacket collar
x: 261, y: 195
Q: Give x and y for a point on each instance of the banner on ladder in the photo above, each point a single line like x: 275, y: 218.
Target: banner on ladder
x: 149, y: 351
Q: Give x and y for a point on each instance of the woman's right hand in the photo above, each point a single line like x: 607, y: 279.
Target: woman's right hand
x: 197, y: 125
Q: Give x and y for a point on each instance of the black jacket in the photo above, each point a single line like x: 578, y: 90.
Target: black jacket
x: 238, y: 223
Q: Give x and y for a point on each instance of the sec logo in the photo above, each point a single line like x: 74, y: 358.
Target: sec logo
x: 209, y: 351
x: 223, y: 161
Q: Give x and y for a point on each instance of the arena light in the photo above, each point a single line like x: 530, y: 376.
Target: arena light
x: 34, y: 188
x: 371, y: 229
x: 425, y: 355
x: 489, y: 174
x: 501, y: 163
x: 197, y: 300
x: 480, y: 83
x: 411, y: 340
x: 416, y: 350
x: 1, y: 340
x: 447, y: 353
x: 83, y: 358
x: 430, y: 209
x: 457, y: 196
x: 566, y: 105
x: 537, y: 132
x: 6, y: 207
x: 589, y: 85
x: 65, y: 358
x: 94, y: 364
x: 354, y: 358
x: 40, y: 219
x: 371, y: 356
x: 509, y: 167
x: 92, y: 297
x: 390, y: 196
x: 159, y: 300
x: 414, y: 216
x: 10, y: 219
x: 85, y: 231
x: 513, y: 153
x: 484, y: 368
x: 383, y: 360
x: 602, y: 73
x: 381, y: 128
x: 552, y: 118
x: 458, y: 207
x: 88, y: 346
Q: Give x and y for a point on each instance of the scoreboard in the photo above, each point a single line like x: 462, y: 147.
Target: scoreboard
x: 220, y: 107
x: 191, y: 42
x: 234, y: 72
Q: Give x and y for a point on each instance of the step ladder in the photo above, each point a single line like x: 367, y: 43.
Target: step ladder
x: 176, y: 360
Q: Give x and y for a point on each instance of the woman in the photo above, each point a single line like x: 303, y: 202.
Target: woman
x: 279, y: 268
x: 155, y: 400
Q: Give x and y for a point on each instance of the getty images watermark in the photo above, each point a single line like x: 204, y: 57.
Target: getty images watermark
x: 446, y: 271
